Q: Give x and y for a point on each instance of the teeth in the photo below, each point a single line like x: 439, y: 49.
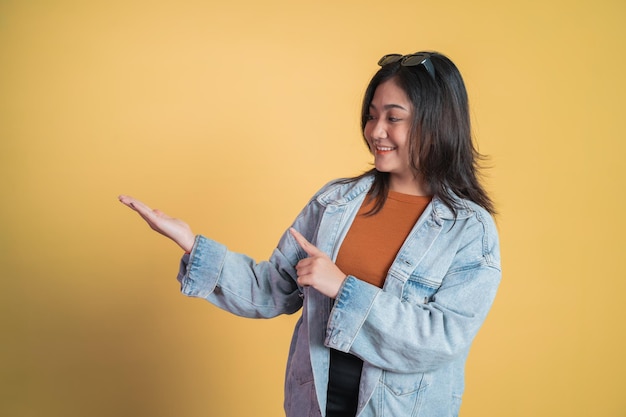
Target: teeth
x: 385, y: 148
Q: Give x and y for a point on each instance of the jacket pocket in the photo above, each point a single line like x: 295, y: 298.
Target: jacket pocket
x: 300, y: 396
x: 403, y: 393
x: 418, y: 290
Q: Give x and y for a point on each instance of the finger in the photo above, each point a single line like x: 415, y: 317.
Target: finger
x: 303, y: 281
x: 159, y: 213
x: 309, y: 248
x: 132, y: 202
x: 126, y: 200
x: 136, y: 205
x: 303, y: 267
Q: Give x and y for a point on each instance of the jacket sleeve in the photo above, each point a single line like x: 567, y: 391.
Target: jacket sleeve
x: 400, y: 336
x: 238, y: 284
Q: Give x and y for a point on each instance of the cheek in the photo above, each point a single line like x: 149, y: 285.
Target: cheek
x: 368, y: 137
x: 403, y: 139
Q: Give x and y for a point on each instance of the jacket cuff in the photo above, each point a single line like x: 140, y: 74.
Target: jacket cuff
x: 200, y: 270
x: 352, y: 305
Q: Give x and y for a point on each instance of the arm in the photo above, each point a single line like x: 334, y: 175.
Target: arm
x: 407, y: 337
x: 238, y: 284
x: 423, y: 325
x: 234, y: 282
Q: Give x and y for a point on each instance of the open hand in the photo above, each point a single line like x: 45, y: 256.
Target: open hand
x: 175, y: 229
x: 317, y: 271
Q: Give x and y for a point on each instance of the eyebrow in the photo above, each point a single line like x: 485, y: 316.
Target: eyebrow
x: 390, y: 106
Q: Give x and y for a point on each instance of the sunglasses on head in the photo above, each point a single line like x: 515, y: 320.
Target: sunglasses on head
x: 411, y: 60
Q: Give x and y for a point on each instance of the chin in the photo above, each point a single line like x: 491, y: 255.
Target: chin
x: 382, y: 168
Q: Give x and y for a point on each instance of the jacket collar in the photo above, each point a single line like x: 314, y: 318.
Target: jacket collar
x: 339, y: 193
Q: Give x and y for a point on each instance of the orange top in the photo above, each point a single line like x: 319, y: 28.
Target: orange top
x: 373, y: 242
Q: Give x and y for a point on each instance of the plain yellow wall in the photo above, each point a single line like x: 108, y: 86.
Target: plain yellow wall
x: 230, y: 115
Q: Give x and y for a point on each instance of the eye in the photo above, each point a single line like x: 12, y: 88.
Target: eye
x: 394, y: 119
x: 369, y: 117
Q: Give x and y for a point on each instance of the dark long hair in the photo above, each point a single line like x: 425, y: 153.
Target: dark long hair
x: 441, y: 148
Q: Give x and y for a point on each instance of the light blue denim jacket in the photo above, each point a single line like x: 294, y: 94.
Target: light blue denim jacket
x: 413, y: 335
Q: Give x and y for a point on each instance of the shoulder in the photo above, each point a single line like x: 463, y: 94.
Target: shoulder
x: 473, y: 226
x: 481, y: 215
x: 464, y: 209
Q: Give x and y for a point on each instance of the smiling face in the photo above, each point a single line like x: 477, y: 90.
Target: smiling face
x: 387, y: 131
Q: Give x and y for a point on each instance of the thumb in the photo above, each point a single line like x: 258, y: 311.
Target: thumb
x: 309, y: 248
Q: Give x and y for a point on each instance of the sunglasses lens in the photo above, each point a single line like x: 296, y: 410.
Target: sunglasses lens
x: 419, y: 59
x: 389, y: 59
x: 413, y: 60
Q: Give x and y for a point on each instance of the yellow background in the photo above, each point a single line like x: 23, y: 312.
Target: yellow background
x: 230, y: 115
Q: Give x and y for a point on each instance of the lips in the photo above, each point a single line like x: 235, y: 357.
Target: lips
x: 381, y: 150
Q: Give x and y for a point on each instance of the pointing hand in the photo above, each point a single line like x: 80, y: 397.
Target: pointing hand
x: 317, y: 271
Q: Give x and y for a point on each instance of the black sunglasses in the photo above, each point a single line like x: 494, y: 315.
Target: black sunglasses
x: 411, y: 60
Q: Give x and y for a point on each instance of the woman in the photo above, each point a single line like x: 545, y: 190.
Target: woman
x: 402, y: 269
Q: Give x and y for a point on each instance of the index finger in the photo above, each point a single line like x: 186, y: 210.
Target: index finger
x: 309, y: 248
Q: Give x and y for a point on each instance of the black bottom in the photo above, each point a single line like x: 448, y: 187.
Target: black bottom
x: 344, y: 377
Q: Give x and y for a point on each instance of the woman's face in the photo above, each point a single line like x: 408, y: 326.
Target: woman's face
x: 387, y: 131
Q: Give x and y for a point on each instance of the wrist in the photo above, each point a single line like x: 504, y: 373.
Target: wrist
x: 187, y: 243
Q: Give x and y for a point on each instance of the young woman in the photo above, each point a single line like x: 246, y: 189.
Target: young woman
x: 394, y: 270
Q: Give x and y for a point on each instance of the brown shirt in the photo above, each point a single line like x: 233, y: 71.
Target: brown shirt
x: 373, y: 242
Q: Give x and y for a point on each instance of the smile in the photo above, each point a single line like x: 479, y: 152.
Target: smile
x: 384, y: 149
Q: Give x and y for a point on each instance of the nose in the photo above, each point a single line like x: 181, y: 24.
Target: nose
x: 378, y: 129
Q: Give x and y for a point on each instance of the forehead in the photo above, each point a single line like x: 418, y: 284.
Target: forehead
x: 389, y: 93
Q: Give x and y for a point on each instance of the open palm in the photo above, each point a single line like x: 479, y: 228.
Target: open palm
x: 173, y: 228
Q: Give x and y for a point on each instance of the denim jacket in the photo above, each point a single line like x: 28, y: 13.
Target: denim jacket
x: 413, y: 335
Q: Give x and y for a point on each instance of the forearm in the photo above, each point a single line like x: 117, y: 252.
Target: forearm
x: 236, y: 283
x: 402, y: 336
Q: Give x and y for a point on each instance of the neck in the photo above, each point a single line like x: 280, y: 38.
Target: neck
x: 411, y: 186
